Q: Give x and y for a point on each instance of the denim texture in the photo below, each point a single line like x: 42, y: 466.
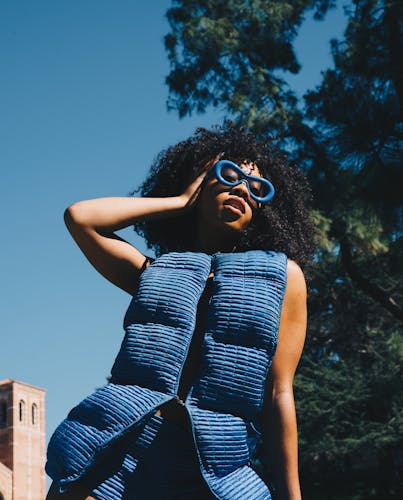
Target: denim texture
x: 224, y: 403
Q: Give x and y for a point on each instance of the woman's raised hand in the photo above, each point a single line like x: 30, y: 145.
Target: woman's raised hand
x: 191, y: 194
x: 93, y: 223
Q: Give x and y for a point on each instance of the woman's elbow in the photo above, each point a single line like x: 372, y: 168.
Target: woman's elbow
x: 73, y: 215
x: 69, y: 215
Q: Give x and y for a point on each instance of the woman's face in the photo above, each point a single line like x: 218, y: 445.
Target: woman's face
x: 227, y: 208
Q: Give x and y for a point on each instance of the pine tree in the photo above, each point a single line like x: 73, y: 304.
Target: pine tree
x: 347, y: 136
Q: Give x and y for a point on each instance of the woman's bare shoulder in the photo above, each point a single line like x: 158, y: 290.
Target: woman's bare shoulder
x: 294, y: 271
x: 292, y: 329
x: 296, y: 284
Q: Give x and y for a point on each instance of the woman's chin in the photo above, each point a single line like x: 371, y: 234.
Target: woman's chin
x: 231, y: 228
x: 233, y: 221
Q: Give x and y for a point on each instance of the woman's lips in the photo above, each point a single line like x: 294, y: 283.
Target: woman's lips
x: 236, y: 205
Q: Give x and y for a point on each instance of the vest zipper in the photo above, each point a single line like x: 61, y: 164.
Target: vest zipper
x: 179, y: 401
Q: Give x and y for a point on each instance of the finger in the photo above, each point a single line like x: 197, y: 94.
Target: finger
x: 213, y: 161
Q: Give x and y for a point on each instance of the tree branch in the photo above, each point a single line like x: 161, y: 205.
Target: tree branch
x: 364, y: 285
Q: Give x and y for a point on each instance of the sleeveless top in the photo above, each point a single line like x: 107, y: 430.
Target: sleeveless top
x: 224, y: 401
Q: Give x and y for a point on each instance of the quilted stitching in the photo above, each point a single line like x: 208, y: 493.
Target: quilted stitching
x: 240, y: 341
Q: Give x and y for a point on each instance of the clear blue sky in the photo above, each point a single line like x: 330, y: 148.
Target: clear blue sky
x: 82, y: 105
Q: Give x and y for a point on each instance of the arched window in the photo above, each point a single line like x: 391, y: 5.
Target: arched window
x: 22, y: 410
x: 34, y: 414
x: 3, y: 415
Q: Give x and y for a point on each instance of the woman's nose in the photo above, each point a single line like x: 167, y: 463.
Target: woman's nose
x: 241, y: 190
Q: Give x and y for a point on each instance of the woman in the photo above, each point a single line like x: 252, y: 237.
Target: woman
x: 214, y: 332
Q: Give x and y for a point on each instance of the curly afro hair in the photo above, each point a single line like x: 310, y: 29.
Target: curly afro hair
x: 281, y: 225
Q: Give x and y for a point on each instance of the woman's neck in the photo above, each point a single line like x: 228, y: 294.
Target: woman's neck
x: 209, y: 241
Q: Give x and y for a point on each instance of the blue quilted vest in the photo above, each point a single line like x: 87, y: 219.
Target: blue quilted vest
x: 225, y: 402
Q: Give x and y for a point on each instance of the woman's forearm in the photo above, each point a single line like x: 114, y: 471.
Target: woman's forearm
x: 112, y: 214
x: 281, y: 444
x: 92, y: 224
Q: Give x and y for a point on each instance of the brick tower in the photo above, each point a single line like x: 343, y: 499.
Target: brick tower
x: 22, y: 441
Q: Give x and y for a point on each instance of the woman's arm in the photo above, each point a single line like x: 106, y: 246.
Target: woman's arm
x: 279, y: 418
x: 92, y: 224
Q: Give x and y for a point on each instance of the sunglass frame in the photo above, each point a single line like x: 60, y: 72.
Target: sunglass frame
x: 217, y: 169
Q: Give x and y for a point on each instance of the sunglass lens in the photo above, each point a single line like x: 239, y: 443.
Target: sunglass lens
x: 258, y: 188
x: 229, y: 174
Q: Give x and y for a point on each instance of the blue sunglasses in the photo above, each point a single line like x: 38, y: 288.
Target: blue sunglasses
x: 230, y: 174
